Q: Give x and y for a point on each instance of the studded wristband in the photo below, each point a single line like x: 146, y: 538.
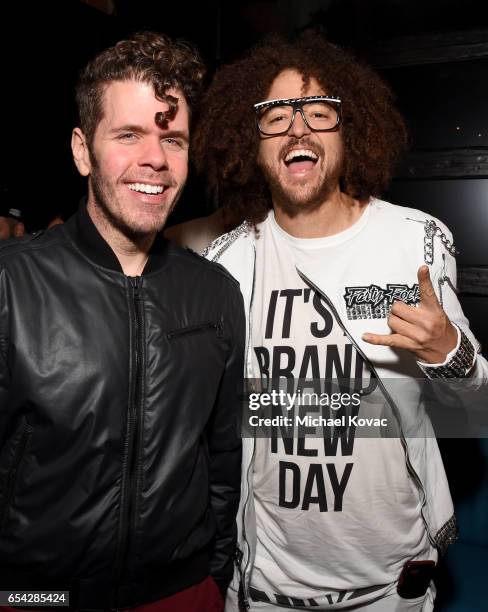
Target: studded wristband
x: 458, y: 366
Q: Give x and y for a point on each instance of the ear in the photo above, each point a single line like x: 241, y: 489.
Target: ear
x: 81, y: 155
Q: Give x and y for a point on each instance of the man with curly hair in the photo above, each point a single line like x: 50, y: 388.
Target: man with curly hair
x: 120, y: 361
x: 299, y: 141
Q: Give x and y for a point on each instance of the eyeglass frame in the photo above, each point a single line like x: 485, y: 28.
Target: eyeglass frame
x: 297, y: 105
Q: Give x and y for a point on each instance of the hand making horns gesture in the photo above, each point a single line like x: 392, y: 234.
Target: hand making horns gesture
x: 426, y: 331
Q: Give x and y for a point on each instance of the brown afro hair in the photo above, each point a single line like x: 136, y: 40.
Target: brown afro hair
x: 226, y: 139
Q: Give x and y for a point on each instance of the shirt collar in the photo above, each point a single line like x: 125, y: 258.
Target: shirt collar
x: 86, y: 236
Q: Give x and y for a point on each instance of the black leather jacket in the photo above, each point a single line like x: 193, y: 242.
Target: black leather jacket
x: 120, y: 455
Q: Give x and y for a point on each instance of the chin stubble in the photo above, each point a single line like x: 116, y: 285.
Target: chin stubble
x: 104, y: 195
x: 291, y: 201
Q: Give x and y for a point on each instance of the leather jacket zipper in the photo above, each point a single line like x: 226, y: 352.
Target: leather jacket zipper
x: 195, y: 329
x: 12, y: 476
x: 387, y: 396
x: 134, y: 429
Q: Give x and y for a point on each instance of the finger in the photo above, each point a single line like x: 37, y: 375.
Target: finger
x: 428, y: 298
x: 402, y: 327
x: 391, y: 340
x: 406, y: 312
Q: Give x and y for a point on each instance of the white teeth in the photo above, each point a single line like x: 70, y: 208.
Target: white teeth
x: 301, y: 153
x: 144, y: 188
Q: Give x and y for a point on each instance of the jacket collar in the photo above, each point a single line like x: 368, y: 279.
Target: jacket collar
x: 83, y: 232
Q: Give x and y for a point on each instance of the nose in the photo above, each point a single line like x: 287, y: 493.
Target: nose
x: 298, y: 126
x: 154, y: 155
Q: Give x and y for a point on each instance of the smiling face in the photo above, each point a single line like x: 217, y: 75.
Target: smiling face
x: 302, y: 167
x: 136, y: 168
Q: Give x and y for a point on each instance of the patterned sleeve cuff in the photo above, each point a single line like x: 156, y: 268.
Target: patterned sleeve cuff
x: 458, y: 363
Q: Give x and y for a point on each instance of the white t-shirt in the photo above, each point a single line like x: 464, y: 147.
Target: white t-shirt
x: 334, y: 525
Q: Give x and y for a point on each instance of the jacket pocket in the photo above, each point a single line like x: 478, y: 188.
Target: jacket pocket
x: 211, y: 326
x: 20, y: 442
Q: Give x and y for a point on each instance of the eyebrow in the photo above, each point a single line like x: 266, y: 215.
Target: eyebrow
x: 129, y: 128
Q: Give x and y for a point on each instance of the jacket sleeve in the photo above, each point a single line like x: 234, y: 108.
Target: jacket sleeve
x: 224, y: 443
x: 445, y: 282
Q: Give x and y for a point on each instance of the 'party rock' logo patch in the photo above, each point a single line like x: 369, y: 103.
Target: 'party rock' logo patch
x: 374, y: 302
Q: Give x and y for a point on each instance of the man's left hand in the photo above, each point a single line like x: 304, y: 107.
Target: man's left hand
x: 425, y: 330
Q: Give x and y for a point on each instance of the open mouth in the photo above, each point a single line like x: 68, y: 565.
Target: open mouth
x: 146, y: 188
x: 299, y: 161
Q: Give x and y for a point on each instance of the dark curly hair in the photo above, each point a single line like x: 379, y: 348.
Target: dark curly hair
x: 146, y: 57
x: 226, y: 139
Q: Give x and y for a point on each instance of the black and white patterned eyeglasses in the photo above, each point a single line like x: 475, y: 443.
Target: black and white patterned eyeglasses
x: 319, y: 113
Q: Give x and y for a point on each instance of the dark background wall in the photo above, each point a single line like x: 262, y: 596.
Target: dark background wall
x: 434, y: 53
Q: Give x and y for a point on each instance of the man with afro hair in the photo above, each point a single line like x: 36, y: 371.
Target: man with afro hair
x: 298, y: 141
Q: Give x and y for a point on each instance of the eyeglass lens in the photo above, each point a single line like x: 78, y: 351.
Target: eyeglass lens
x: 278, y: 119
